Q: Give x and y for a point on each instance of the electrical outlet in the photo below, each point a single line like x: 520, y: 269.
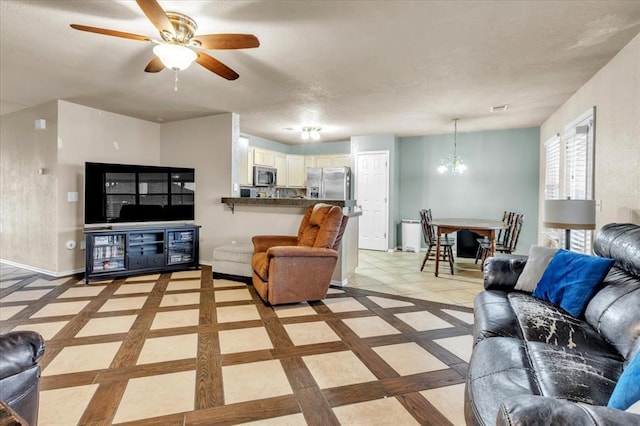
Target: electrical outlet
x: 83, y: 245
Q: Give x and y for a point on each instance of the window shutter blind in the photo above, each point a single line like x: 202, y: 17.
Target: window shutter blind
x: 552, y: 179
x: 579, y: 174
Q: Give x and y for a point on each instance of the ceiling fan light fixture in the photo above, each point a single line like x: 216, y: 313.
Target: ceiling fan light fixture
x: 312, y: 133
x: 175, y: 56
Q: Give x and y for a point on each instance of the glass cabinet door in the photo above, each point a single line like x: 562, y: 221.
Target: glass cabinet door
x: 108, y: 252
x: 180, y: 246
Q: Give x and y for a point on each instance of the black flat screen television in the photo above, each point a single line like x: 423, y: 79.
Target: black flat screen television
x: 134, y: 193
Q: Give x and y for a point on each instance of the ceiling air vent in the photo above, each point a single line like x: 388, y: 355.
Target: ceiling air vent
x: 499, y: 108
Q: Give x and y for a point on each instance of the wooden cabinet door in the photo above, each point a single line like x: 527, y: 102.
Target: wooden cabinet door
x: 343, y: 160
x: 324, y: 161
x: 263, y: 157
x: 296, y: 171
x: 281, y: 166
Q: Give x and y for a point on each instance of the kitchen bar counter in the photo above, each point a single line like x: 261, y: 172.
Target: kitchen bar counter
x: 299, y: 202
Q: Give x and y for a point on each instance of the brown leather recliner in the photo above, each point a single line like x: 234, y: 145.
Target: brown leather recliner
x: 20, y: 372
x: 290, y: 269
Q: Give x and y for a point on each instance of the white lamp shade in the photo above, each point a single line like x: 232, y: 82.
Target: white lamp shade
x: 569, y: 214
x: 175, y: 56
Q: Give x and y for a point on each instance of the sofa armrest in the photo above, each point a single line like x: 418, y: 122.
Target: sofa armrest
x: 19, y: 351
x: 533, y: 409
x: 262, y: 243
x: 502, y: 272
x: 300, y: 251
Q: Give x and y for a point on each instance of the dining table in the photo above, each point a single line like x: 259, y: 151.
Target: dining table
x: 482, y: 227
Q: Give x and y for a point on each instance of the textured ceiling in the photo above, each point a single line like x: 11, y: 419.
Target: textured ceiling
x: 350, y: 67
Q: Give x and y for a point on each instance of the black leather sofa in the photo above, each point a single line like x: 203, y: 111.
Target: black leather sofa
x: 534, y: 364
x: 20, y: 372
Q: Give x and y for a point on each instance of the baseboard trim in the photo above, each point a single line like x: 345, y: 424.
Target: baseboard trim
x: 43, y: 271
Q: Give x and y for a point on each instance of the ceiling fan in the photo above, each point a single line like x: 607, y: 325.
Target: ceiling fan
x: 179, y: 46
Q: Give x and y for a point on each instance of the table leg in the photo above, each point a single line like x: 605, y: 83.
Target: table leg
x: 492, y: 237
x: 437, y: 251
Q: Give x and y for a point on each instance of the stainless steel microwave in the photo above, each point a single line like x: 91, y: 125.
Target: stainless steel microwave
x: 264, y: 176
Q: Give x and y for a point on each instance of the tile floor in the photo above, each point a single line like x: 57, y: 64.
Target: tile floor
x: 390, y: 348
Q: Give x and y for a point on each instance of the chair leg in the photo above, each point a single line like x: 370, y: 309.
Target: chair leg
x: 450, y: 250
x: 424, y: 262
x: 478, y: 253
x: 485, y: 254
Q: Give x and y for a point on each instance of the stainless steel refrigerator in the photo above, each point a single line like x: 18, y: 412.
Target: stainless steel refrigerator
x: 329, y: 183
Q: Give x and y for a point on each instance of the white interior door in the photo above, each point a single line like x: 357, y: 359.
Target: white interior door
x: 372, y: 193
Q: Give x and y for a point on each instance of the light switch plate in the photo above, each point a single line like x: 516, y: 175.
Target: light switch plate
x: 72, y: 197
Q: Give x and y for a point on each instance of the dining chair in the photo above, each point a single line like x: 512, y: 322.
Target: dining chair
x: 430, y: 238
x: 510, y: 242
x: 503, y: 234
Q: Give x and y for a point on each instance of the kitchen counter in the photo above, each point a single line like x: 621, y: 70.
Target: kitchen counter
x: 298, y: 202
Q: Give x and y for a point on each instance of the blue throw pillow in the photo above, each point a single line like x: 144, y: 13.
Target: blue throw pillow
x: 627, y: 390
x: 570, y: 280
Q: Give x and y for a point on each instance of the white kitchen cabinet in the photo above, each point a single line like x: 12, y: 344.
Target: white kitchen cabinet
x: 264, y: 157
x: 341, y: 160
x: 280, y: 162
x: 296, y: 171
x: 324, y: 161
x: 309, y: 161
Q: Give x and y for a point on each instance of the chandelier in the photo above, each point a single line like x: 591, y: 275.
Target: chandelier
x: 312, y: 133
x: 453, y: 165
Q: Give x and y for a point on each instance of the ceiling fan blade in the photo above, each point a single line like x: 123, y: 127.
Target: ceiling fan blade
x: 216, y: 66
x: 155, y: 65
x: 111, y: 32
x: 227, y: 41
x: 156, y: 15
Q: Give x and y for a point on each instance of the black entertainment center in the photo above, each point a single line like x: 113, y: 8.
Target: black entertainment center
x: 118, y: 197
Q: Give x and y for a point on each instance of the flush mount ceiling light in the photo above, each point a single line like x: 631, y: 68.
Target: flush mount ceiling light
x: 312, y: 133
x: 453, y: 165
x: 174, y: 56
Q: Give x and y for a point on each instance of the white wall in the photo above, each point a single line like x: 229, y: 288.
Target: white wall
x: 207, y: 144
x: 89, y: 134
x: 615, y: 92
x: 28, y: 216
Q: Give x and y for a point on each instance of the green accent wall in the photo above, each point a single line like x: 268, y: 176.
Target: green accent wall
x: 503, y: 174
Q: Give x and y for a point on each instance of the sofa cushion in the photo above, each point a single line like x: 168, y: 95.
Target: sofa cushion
x: 260, y: 265
x: 499, y: 368
x: 570, y: 280
x: 322, y: 226
x: 494, y: 316
x: 572, y: 374
x: 620, y: 241
x: 541, y: 321
x: 539, y: 258
x: 627, y: 390
x: 613, y: 311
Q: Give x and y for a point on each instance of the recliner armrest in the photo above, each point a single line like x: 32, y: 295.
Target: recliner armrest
x: 300, y: 251
x: 534, y: 409
x: 262, y: 243
x: 502, y: 272
x: 19, y: 351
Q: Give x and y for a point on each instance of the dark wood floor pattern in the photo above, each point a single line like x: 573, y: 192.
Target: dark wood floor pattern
x: 308, y: 398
